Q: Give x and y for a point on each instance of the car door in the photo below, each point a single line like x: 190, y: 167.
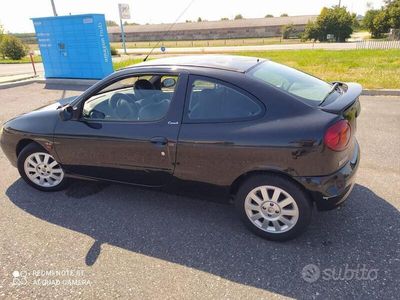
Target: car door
x: 214, y: 136
x: 109, y: 141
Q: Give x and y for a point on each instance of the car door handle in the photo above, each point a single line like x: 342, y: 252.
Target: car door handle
x: 159, y: 140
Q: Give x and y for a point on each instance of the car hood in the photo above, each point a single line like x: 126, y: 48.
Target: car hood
x: 41, y: 121
x: 57, y: 104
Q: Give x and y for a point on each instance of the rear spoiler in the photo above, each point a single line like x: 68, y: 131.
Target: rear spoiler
x: 350, y: 95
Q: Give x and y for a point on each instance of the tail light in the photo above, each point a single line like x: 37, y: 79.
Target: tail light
x: 337, y: 136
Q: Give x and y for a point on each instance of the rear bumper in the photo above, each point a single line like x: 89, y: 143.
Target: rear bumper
x: 330, y: 191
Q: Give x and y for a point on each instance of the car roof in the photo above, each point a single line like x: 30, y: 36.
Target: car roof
x: 225, y: 62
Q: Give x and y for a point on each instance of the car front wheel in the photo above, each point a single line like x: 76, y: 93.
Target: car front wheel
x: 273, y: 207
x: 40, y: 170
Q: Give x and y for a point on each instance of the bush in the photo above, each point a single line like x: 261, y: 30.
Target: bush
x: 393, y: 13
x: 336, y: 20
x: 368, y: 22
x: 1, y: 33
x: 379, y: 22
x: 13, y: 48
x: 288, y: 31
x: 113, y: 51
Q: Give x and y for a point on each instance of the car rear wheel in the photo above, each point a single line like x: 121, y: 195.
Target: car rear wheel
x: 273, y: 207
x: 40, y: 170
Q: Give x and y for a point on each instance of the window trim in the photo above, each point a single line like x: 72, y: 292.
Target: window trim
x: 81, y: 104
x: 193, y: 78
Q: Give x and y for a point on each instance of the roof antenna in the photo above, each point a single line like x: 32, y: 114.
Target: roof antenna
x: 170, y: 27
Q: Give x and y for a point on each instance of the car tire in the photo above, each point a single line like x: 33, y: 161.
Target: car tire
x: 273, y: 207
x: 40, y: 170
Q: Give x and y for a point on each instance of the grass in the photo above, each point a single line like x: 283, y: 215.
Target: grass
x: 24, y: 60
x: 126, y: 63
x: 374, y: 69
x: 378, y: 69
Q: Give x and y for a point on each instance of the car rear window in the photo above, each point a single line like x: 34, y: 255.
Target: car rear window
x: 295, y: 82
x: 214, y: 101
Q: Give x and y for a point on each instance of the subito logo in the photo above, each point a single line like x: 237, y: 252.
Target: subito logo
x: 311, y: 273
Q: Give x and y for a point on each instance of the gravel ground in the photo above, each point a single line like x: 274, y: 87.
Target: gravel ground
x: 98, y: 240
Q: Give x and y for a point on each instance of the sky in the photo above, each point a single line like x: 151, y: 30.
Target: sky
x: 15, y: 15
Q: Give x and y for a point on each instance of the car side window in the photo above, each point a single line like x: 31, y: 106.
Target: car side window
x: 136, y: 98
x: 215, y: 101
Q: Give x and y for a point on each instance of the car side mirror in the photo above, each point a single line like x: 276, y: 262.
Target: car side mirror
x: 66, y: 113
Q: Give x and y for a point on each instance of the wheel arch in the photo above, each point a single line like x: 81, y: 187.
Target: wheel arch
x: 234, y: 187
x: 23, y: 144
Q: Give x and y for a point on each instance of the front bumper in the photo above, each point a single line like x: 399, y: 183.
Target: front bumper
x: 330, y: 191
x: 8, y: 145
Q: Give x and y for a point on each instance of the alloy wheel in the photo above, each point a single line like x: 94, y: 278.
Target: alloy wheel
x: 42, y: 169
x: 271, y: 209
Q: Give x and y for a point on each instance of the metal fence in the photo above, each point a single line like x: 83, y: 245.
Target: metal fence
x: 370, y: 44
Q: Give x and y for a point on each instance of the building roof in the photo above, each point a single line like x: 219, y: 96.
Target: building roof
x: 225, y: 62
x: 208, y: 25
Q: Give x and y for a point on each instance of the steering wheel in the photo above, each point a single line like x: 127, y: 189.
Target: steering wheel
x: 112, y: 102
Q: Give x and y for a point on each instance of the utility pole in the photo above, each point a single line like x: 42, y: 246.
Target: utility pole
x: 340, y: 1
x: 54, y: 8
x: 123, y: 35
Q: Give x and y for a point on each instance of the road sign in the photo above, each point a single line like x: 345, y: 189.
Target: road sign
x: 124, y: 11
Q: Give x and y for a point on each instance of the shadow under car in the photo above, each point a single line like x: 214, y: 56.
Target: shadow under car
x: 207, y: 236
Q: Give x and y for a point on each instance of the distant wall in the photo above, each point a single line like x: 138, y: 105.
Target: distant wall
x: 213, y: 34
x: 189, y: 35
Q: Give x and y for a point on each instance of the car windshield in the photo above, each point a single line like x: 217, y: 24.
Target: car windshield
x: 307, y: 87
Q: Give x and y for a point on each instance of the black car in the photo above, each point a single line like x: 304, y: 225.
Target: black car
x: 276, y: 140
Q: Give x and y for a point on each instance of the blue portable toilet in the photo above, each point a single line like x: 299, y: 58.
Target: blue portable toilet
x: 75, y: 46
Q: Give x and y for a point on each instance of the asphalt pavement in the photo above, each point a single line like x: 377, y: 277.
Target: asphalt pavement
x: 98, y: 240
x: 19, y: 69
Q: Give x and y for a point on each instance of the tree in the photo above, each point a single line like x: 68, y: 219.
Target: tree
x: 284, y: 15
x: 368, y: 22
x: 199, y: 19
x: 113, y: 51
x: 224, y: 19
x: 13, y: 47
x: 379, y: 21
x: 393, y: 13
x: 336, y: 20
x: 238, y: 17
x: 269, y: 16
x: 312, y: 32
x: 111, y: 23
x: 127, y: 23
x: 1, y: 38
x: 1, y: 32
x: 287, y: 31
